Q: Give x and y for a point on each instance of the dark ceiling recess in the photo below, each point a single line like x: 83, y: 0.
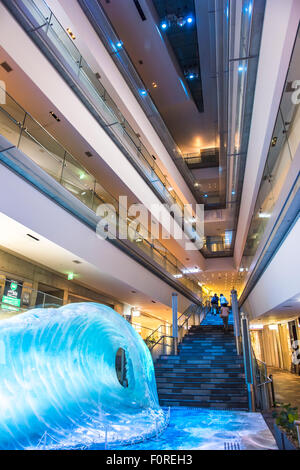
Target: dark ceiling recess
x: 183, y: 40
x: 6, y: 67
x: 140, y: 10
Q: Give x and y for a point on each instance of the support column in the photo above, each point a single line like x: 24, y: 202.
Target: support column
x: 236, y: 320
x: 248, y: 364
x: 175, y: 321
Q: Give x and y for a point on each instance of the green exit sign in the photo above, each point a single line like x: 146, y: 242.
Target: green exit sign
x: 11, y: 301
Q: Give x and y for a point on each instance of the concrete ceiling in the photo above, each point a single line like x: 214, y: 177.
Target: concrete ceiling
x: 13, y: 237
x: 286, y: 311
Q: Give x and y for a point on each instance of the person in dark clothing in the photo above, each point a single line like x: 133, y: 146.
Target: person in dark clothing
x: 214, y: 304
x: 224, y: 314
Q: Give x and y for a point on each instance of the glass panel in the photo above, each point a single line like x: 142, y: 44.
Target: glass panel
x: 41, y: 156
x: 284, y: 144
x: 78, y: 181
x: 8, y: 128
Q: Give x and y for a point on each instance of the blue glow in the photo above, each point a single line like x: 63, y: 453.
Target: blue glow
x: 184, y: 89
x: 143, y: 92
x: 233, y: 193
x: 205, y: 195
x: 248, y: 9
x: 206, y: 429
x: 191, y: 76
x: 242, y: 68
x: 189, y: 20
x: 164, y: 25
x: 58, y: 382
x: 119, y: 44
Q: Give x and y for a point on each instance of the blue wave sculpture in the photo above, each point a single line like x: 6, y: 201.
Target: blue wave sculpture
x: 58, y: 381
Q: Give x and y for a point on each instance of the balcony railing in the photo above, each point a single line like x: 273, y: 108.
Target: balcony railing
x: 26, y: 134
x: 43, y: 27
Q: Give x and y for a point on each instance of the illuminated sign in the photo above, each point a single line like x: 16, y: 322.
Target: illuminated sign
x: 12, y: 293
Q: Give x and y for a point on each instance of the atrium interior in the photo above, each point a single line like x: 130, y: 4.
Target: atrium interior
x: 149, y: 214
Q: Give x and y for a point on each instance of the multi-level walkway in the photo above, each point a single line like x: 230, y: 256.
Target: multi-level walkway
x: 206, y: 373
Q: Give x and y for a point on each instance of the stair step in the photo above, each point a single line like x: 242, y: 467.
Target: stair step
x: 207, y: 372
x: 194, y: 377
x: 201, y: 385
x: 198, y: 381
x: 204, y: 397
x: 204, y: 404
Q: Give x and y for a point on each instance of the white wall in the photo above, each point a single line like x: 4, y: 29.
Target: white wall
x: 279, y: 33
x: 65, y: 238
x: 69, y: 11
x: 281, y: 279
x: 46, y: 78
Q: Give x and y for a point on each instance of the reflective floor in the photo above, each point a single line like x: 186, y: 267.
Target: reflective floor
x: 203, y: 429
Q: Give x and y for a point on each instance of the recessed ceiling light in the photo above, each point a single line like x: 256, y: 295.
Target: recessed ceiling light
x: 31, y: 236
x: 6, y: 67
x: 54, y: 116
x: 72, y: 35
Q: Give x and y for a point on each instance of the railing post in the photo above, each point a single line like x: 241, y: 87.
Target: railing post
x: 248, y: 365
x: 236, y: 320
x: 175, y: 320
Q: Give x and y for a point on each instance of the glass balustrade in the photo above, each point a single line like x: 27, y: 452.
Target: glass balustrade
x: 46, y: 25
x: 23, y: 132
x: 283, y: 148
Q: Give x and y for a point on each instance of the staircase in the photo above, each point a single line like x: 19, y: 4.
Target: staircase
x: 206, y: 373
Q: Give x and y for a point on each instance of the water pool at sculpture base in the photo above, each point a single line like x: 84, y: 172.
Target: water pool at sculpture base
x: 204, y: 429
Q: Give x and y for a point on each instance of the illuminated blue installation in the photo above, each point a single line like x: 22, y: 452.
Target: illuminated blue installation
x: 58, y: 381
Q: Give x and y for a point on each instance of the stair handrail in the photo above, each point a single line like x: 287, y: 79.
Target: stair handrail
x: 191, y: 310
x: 159, y: 340
x: 184, y: 314
x: 263, y: 384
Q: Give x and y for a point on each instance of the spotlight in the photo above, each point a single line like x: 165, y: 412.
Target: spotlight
x: 242, y: 68
x: 164, y: 25
x: 181, y: 22
x: 119, y: 44
x: 143, y: 92
x: 189, y: 20
x: 191, y: 76
x: 233, y: 193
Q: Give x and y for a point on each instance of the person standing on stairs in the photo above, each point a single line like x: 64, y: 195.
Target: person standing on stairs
x: 223, y: 300
x: 224, y: 315
x: 214, y: 304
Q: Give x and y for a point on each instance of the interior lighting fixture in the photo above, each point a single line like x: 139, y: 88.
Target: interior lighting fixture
x: 70, y: 276
x: 191, y: 270
x: 136, y: 313
x: 178, y: 276
x: 263, y: 215
x: 71, y: 34
x: 54, y: 116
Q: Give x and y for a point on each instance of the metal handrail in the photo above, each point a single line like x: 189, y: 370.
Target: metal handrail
x: 265, y: 398
x: 159, y: 340
x: 194, y: 308
x: 158, y: 248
